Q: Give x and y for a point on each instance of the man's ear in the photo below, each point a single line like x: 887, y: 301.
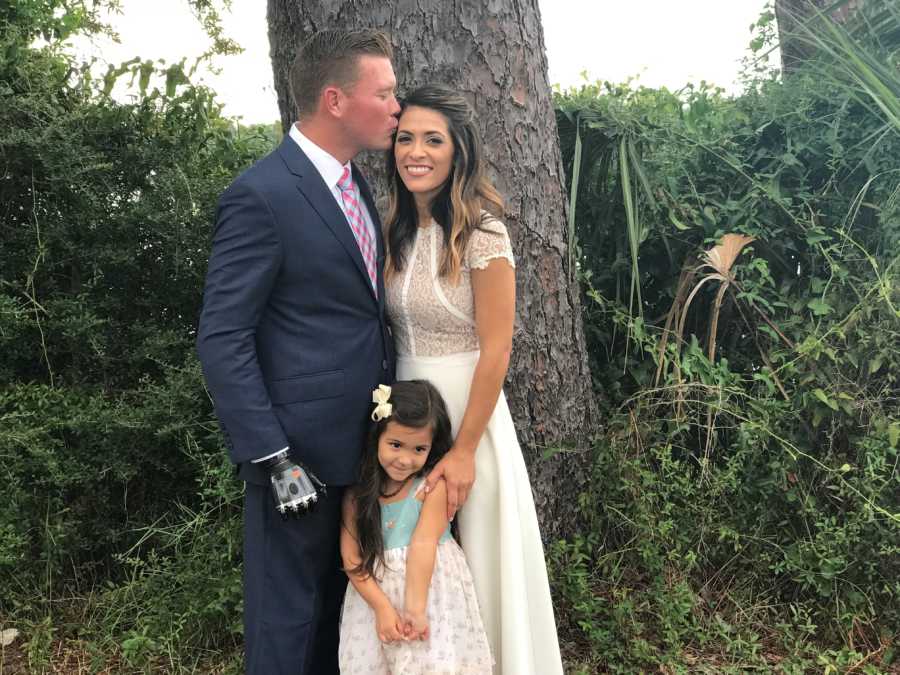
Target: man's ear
x: 333, y: 100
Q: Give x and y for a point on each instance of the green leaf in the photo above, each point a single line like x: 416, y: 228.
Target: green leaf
x: 819, y: 307
x: 677, y: 223
x: 573, y: 193
x: 823, y: 397
x: 894, y: 434
x: 810, y: 343
x: 146, y: 71
x: 175, y: 76
x: 813, y: 238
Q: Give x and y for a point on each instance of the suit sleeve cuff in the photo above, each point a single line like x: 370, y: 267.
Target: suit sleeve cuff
x: 263, y: 459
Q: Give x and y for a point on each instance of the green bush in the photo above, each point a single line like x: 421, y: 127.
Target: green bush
x: 120, y: 514
x: 745, y: 498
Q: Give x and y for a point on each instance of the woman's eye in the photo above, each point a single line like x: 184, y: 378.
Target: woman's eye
x: 435, y: 141
x: 394, y: 444
x: 402, y: 139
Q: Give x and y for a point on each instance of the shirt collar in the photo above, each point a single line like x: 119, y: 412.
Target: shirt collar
x: 328, y: 167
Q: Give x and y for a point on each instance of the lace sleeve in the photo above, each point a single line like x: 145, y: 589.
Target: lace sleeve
x: 487, y: 244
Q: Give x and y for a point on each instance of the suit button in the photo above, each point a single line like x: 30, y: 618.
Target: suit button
x: 384, y: 364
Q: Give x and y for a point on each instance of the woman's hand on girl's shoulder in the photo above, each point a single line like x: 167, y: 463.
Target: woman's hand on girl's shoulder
x: 457, y: 468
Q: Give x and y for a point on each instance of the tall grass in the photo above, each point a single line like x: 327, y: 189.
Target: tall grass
x: 861, y: 56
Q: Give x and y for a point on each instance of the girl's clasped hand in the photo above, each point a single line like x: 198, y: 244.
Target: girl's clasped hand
x: 415, y: 625
x: 393, y: 627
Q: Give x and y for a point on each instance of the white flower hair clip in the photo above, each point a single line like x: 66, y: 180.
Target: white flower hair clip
x: 381, y: 397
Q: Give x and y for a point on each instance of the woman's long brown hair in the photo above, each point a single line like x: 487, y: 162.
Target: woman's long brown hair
x: 416, y: 404
x: 458, y: 207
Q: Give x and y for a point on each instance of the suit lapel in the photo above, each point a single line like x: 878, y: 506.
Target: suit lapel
x: 310, y: 183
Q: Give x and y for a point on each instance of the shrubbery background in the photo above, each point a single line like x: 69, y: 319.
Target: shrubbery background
x: 746, y: 495
x: 745, y: 499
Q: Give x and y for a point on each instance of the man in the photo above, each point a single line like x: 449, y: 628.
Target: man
x: 293, y: 339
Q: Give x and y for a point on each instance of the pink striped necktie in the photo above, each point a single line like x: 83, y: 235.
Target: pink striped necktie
x: 363, y: 234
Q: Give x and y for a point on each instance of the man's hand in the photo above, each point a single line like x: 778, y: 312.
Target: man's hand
x: 294, y: 487
x: 458, y: 469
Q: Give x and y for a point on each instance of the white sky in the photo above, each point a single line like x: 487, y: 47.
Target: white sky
x: 664, y: 42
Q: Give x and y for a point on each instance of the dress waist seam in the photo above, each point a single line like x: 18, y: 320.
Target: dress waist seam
x: 444, y: 359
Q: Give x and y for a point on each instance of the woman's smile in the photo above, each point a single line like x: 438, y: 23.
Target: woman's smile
x: 418, y: 169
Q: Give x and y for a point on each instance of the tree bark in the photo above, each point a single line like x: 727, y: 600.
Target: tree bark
x: 493, y: 52
x: 790, y: 13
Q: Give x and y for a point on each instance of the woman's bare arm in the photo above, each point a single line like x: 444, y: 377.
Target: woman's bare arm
x: 494, y: 290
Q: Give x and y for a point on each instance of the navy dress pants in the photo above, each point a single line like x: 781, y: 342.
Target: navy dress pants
x: 293, y: 586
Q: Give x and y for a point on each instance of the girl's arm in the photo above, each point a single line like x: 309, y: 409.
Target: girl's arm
x: 388, y: 623
x: 494, y: 291
x: 420, y: 558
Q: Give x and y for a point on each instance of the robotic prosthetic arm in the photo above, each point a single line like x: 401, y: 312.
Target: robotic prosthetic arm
x: 295, y: 488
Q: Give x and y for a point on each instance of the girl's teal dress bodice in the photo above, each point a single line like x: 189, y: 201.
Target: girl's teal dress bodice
x: 398, y: 519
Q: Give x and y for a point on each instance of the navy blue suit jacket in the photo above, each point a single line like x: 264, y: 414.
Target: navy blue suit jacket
x: 292, y: 338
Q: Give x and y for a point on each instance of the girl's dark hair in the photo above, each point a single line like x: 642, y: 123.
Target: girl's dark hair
x: 416, y: 404
x: 458, y: 206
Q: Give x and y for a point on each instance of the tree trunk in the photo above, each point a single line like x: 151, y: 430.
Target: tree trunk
x: 493, y: 52
x: 790, y: 13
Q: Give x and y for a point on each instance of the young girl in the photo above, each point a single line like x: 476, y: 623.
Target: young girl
x: 410, y: 606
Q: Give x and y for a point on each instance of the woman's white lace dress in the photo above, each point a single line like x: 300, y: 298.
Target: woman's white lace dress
x: 433, y: 323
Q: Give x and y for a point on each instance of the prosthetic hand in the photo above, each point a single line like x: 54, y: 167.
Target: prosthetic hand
x: 295, y: 488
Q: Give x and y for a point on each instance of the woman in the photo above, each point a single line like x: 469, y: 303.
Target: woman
x: 450, y: 291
